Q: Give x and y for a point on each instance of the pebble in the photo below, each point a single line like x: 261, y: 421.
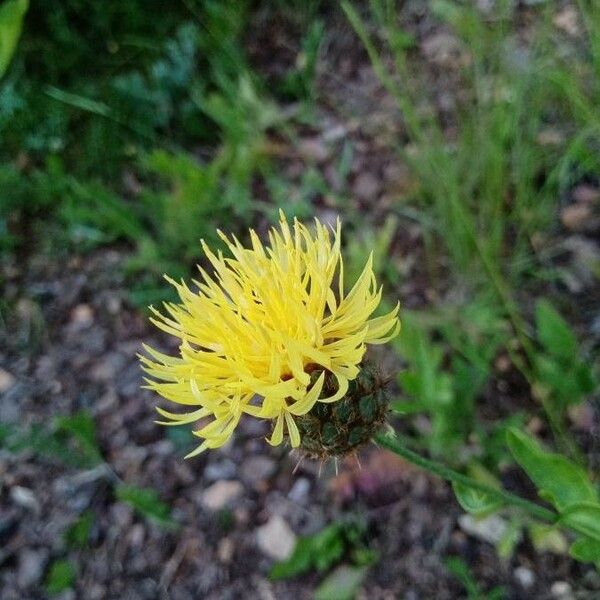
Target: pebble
x: 31, y: 567
x: 524, y: 577
x: 82, y: 316
x: 220, y: 494
x: 576, y: 217
x: 366, y: 187
x: 256, y: 469
x: 12, y: 400
x: 26, y: 498
x: 561, y: 590
x: 313, y: 149
x: 222, y: 469
x: 6, y: 381
x: 299, y: 491
x: 568, y: 21
x: 275, y: 539
x: 586, y: 194
x: 97, y: 592
x: 107, y: 368
x: 225, y: 550
x: 137, y: 535
x: 491, y: 529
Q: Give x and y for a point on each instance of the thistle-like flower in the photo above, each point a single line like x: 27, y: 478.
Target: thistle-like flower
x: 271, y: 334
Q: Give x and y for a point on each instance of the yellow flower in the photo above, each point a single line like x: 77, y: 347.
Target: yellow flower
x: 268, y: 317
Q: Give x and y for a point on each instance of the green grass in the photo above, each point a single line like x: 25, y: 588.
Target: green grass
x: 484, y: 195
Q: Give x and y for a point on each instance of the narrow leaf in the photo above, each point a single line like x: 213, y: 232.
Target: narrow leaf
x: 82, y: 427
x: 299, y: 562
x: 146, y: 502
x: 584, y: 518
x: 341, y: 584
x: 557, y: 478
x: 474, y: 501
x: 586, y: 550
x: 554, y: 332
x: 61, y: 576
x: 11, y: 24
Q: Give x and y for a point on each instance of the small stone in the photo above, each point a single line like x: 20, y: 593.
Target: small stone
x: 567, y: 20
x: 26, y: 498
x: 6, y: 381
x: 313, y: 149
x: 107, y: 368
x: 97, y: 592
x: 366, y: 186
x: 137, y: 535
x: 12, y: 401
x: 561, y: 590
x: 121, y: 515
x: 335, y: 133
x: 82, y: 316
x: 524, y: 577
x: 583, y: 416
x: 576, y: 216
x: 225, y: 550
x: 256, y: 469
x: 503, y: 363
x: 222, y: 469
x: 585, y: 193
x: 275, y: 539
x: 31, y: 567
x: 491, y: 529
x: 550, y: 137
x: 486, y: 6
x: 221, y: 493
x: 299, y: 491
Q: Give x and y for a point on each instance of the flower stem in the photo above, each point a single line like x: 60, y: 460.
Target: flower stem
x: 391, y: 443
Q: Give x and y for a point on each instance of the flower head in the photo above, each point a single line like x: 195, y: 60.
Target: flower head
x: 262, y: 333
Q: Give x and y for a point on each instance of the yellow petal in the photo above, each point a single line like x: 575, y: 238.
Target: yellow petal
x: 292, y: 430
x: 277, y: 436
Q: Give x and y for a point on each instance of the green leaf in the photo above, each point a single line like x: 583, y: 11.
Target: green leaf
x: 584, y: 375
x: 78, y: 534
x: 147, y: 502
x: 474, y: 501
x: 460, y: 569
x: 82, y: 427
x: 583, y: 518
x: 547, y: 538
x: 328, y: 546
x: 508, y: 542
x: 299, y: 562
x: 61, y: 576
x: 557, y: 478
x: 43, y: 442
x: 562, y: 380
x: 341, y: 584
x: 324, y: 549
x: 81, y: 102
x: 586, y: 550
x: 554, y: 332
x: 11, y: 24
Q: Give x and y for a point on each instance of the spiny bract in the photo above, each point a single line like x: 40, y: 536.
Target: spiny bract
x: 259, y: 326
x: 335, y: 429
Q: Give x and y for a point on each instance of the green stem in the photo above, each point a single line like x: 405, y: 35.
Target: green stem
x: 448, y: 474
